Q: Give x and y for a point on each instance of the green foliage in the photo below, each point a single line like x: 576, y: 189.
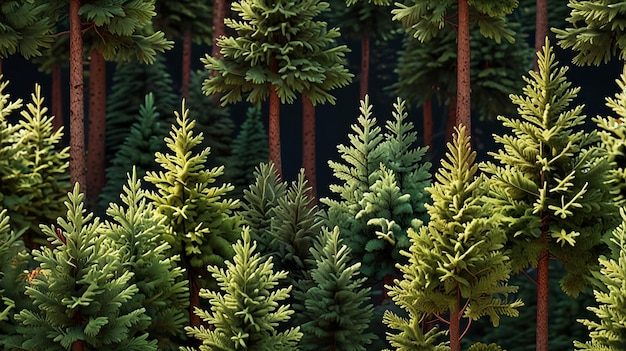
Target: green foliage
x: 357, y: 18
x: 177, y: 17
x: 247, y: 311
x: 484, y: 347
x: 550, y: 180
x: 336, y: 311
x: 131, y: 83
x: 424, y: 19
x: 82, y: 292
x: 277, y: 43
x: 24, y: 28
x: 161, y: 288
x: 609, y: 333
x: 457, y: 263
x: 144, y: 140
x: 595, y: 31
x: 381, y: 190
x: 249, y: 148
x: 201, y: 219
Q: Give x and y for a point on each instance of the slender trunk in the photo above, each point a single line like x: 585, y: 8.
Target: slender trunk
x: 428, y: 121
x: 308, y: 146
x: 274, y: 130
x: 186, y: 74
x: 57, y: 97
x: 219, y: 13
x: 78, y: 170
x: 97, y: 127
x: 365, y: 64
x: 542, y: 290
x: 463, y: 68
x: 194, y: 297
x: 78, y: 345
x: 541, y: 27
x: 452, y: 117
x: 455, y: 324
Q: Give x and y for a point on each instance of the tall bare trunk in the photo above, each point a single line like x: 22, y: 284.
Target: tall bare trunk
x: 219, y: 13
x: 308, y: 145
x: 57, y: 97
x: 78, y: 170
x: 97, y: 127
x: 186, y: 73
x: 541, y: 27
x: 365, y: 65
x: 543, y: 290
x: 455, y: 324
x: 463, y: 67
x: 428, y: 121
x: 274, y: 131
x: 194, y: 297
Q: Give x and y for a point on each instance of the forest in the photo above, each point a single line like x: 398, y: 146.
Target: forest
x: 272, y: 175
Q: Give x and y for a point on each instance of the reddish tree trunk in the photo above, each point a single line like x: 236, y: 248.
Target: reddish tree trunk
x: 186, y: 73
x: 455, y: 325
x: 219, y: 13
x: 78, y: 345
x: 463, y: 68
x: 308, y: 145
x: 365, y: 65
x: 97, y: 126
x: 57, y: 97
x: 274, y: 130
x: 543, y: 291
x: 541, y: 27
x: 428, y: 121
x: 452, y: 112
x: 194, y: 297
x: 78, y: 171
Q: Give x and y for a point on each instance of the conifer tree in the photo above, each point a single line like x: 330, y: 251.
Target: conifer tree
x: 549, y: 184
x: 144, y: 140
x: 457, y: 264
x: 25, y: 28
x: 337, y: 309
x: 249, y: 149
x: 247, y: 311
x: 608, y: 331
x: 82, y: 293
x: 201, y: 219
x: 138, y: 231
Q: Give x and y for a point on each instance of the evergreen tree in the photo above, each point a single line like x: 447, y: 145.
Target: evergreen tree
x: 457, y: 263
x: 144, y: 140
x: 247, y: 311
x: 24, y: 28
x: 249, y: 149
x: 82, y: 292
x: 201, y: 219
x: 549, y: 184
x: 337, y: 309
x: 608, y: 331
x: 161, y: 288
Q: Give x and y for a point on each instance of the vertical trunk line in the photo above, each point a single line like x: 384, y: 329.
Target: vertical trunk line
x: 463, y: 68
x: 365, y: 65
x: 308, y: 146
x: 78, y: 171
x: 57, y: 97
x: 455, y: 323
x: 97, y: 127
x: 186, y: 69
x: 541, y: 28
x: 543, y: 289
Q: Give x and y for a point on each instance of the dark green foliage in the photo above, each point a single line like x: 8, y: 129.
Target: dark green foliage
x: 82, y: 291
x: 277, y: 43
x: 24, y: 28
x: 162, y: 290
x: 247, y: 311
x: 14, y: 260
x: 131, y: 83
x: 595, y: 31
x: 144, y: 140
x: 357, y: 18
x: 337, y: 309
x: 200, y: 216
x: 177, y: 17
x: 549, y: 179
x: 249, y: 149
x: 457, y: 263
x: 608, y: 331
x: 381, y: 190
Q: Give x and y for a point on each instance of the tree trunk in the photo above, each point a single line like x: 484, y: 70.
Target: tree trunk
x: 541, y: 27
x: 463, y: 68
x: 543, y: 290
x: 194, y: 297
x: 219, y: 13
x: 186, y: 73
x: 455, y: 324
x: 428, y: 122
x: 274, y: 131
x: 57, y: 97
x: 452, y: 117
x: 78, y: 171
x: 365, y: 65
x: 78, y: 345
x: 308, y: 146
x: 97, y: 127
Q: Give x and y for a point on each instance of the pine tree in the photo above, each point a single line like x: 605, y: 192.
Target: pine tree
x: 144, y: 140
x: 337, y: 309
x: 24, y: 28
x: 162, y: 290
x: 202, y: 222
x: 608, y: 331
x: 249, y: 149
x: 549, y: 184
x: 82, y: 292
x: 247, y: 311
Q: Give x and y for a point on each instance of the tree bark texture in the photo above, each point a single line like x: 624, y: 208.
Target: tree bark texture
x: 365, y: 65
x: 543, y: 291
x: 194, y: 297
x: 455, y: 324
x: 427, y: 112
x: 78, y: 170
x: 463, y: 67
x: 541, y: 27
x: 308, y: 146
x: 219, y: 13
x: 57, y: 97
x: 97, y: 127
x: 274, y: 131
x: 186, y: 63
